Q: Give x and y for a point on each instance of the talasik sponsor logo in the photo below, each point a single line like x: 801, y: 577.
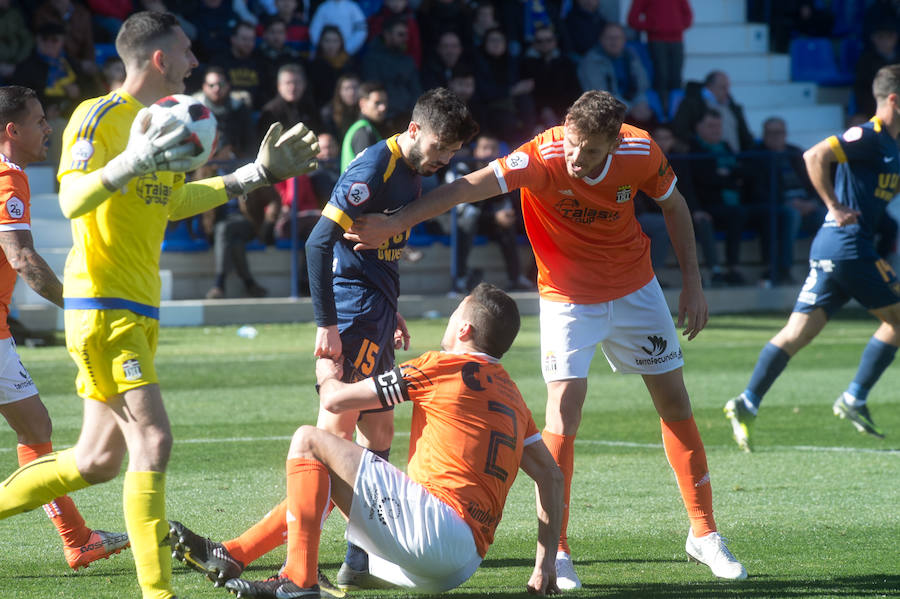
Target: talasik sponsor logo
x: 572, y: 209
x: 150, y: 189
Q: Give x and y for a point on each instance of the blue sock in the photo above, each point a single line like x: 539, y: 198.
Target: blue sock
x: 356, y: 557
x: 875, y: 359
x: 771, y: 362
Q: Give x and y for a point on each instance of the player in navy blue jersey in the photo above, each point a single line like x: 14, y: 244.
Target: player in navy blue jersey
x: 843, y: 262
x: 354, y: 297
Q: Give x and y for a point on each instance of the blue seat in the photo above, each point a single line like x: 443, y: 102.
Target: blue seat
x: 178, y: 238
x: 656, y: 105
x: 641, y: 49
x: 675, y: 98
x: 104, y: 52
x: 814, y: 59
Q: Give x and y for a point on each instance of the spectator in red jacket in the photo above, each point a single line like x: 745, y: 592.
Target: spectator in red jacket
x: 665, y: 22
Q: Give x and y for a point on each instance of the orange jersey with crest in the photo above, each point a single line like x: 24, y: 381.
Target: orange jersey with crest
x: 15, y: 215
x: 469, y: 427
x: 587, y: 242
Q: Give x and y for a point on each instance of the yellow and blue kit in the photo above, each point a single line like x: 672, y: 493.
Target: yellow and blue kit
x: 357, y: 291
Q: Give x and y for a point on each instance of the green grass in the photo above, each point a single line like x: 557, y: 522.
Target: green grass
x: 812, y: 513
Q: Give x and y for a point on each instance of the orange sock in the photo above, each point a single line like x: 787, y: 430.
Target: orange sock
x: 61, y: 511
x: 562, y: 448
x: 684, y: 450
x: 309, y: 493
x: 262, y: 537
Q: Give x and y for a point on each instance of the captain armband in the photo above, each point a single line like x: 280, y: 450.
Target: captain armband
x: 391, y: 388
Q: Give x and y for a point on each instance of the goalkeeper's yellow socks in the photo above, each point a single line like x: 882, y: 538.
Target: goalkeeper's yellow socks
x: 144, y: 498
x: 40, y: 481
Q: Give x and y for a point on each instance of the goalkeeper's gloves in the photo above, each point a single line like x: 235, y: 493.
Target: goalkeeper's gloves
x: 157, y: 142
x: 281, y: 156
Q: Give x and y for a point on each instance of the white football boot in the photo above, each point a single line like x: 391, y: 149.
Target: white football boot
x: 566, y: 578
x: 712, y: 551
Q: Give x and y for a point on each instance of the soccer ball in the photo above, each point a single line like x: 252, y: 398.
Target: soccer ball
x: 198, y: 119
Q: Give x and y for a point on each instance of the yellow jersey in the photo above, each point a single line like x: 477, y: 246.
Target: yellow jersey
x: 114, y: 261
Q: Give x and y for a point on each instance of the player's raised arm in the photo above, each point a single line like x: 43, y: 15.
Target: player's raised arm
x: 156, y: 142
x: 819, y: 160
x: 548, y: 478
x: 370, y: 230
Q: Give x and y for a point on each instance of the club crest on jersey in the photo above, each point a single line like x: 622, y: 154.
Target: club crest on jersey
x: 358, y: 193
x: 517, y: 161
x: 623, y: 194
x: 15, y: 208
x: 82, y: 149
x: 131, y: 369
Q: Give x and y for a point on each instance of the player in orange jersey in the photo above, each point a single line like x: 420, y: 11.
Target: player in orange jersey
x: 597, y: 286
x: 24, y: 133
x: 471, y: 432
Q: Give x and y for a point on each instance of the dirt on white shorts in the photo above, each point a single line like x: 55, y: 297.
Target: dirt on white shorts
x: 635, y: 332
x: 15, y: 382
x: 414, y: 540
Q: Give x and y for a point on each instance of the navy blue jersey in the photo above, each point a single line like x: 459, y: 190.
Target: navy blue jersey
x: 378, y: 180
x: 868, y: 174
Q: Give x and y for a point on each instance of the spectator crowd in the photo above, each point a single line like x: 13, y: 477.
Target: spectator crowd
x: 353, y: 70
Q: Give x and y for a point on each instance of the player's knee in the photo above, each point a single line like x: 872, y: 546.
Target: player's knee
x: 303, y: 442
x: 99, y: 465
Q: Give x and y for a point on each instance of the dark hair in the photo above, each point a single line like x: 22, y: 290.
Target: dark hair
x: 141, y: 34
x: 596, y: 112
x: 217, y: 70
x: 341, y: 112
x: 394, y: 20
x: 446, y: 115
x: 495, y: 319
x: 370, y: 87
x: 711, y: 77
x: 886, y: 82
x: 710, y: 112
x: 273, y: 20
x: 325, y: 30
x: 240, y: 24
x: 14, y: 103
x: 462, y: 69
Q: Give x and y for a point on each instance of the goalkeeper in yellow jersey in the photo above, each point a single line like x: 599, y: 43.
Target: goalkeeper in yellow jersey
x: 121, y: 180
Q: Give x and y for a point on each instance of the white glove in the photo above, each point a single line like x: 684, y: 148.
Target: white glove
x: 281, y: 156
x: 157, y: 142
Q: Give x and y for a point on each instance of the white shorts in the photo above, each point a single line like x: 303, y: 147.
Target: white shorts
x: 635, y: 332
x: 15, y: 382
x: 414, y: 540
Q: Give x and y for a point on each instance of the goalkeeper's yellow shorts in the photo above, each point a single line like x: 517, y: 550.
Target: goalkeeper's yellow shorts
x: 113, y: 349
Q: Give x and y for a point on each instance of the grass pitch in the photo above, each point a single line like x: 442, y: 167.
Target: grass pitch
x: 812, y: 513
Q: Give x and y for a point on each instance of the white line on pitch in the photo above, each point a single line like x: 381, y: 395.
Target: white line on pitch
x: 809, y: 448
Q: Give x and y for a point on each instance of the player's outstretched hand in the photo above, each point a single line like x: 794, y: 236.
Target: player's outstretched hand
x: 693, y: 311
x: 543, y: 583
x: 282, y: 155
x: 286, y: 154
x: 401, y: 335
x: 157, y: 142
x: 326, y: 368
x: 368, y: 231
